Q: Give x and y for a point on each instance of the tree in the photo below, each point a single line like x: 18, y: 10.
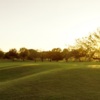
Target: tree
x: 56, y: 54
x: 11, y: 54
x: 33, y: 54
x: 90, y: 44
x: 1, y: 54
x: 23, y: 53
x: 66, y: 54
x: 43, y: 55
x: 49, y: 55
x: 78, y: 53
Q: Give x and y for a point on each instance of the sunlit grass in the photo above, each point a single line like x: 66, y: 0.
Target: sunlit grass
x: 94, y: 66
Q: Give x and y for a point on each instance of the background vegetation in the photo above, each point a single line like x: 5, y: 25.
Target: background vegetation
x: 85, y: 49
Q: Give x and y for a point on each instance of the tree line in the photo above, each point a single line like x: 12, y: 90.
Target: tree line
x: 23, y: 54
x: 85, y: 49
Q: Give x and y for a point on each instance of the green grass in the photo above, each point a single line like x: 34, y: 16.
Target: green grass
x: 49, y: 81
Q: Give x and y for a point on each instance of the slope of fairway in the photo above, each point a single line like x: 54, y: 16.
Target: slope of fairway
x: 50, y: 81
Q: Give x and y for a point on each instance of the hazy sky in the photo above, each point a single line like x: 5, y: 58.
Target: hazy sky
x: 45, y: 24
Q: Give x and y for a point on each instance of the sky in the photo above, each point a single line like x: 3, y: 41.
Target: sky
x: 46, y: 24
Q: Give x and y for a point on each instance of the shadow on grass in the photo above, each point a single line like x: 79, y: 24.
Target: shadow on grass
x: 16, y: 71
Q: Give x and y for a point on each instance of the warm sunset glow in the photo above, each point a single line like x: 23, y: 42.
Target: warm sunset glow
x: 82, y: 30
x: 46, y: 24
